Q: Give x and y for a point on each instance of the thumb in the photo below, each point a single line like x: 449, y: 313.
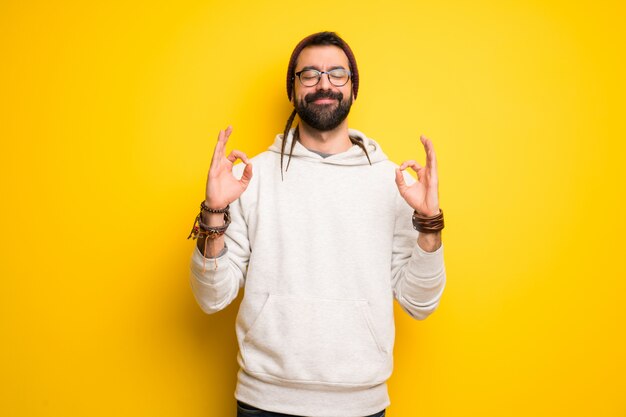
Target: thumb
x: 247, y: 175
x: 400, y: 181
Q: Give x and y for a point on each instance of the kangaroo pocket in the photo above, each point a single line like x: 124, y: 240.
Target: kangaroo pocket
x: 315, y: 341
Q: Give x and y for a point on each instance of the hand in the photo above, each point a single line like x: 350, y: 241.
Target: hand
x: 423, y: 195
x: 222, y: 188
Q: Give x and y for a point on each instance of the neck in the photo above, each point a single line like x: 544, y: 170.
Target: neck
x: 330, y: 142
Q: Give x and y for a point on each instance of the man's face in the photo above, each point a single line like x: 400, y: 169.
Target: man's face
x: 323, y: 106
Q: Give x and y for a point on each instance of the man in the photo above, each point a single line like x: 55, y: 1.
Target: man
x: 322, y: 241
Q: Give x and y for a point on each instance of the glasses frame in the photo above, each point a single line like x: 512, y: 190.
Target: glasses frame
x: 319, y: 76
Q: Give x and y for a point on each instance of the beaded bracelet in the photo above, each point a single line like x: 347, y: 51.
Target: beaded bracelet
x: 209, y: 233
x: 430, y: 224
x: 201, y: 229
x: 204, y: 207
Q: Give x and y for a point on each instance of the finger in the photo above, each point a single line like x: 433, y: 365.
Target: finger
x: 411, y: 164
x: 222, y: 138
x: 431, y: 157
x: 428, y: 145
x: 220, y: 147
x: 218, y: 150
x: 225, y: 134
x: 247, y: 175
x: 400, y: 181
x: 406, y: 164
x: 235, y: 154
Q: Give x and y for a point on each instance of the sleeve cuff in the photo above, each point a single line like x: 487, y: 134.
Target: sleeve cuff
x: 219, y: 255
x: 423, y: 253
x: 429, y: 264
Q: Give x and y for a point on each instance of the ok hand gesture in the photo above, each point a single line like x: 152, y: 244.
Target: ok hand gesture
x: 423, y: 195
x: 222, y: 188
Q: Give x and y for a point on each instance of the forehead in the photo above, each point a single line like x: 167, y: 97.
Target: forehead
x: 322, y: 57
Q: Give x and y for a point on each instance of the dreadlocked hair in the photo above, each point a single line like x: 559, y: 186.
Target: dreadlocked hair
x: 293, y: 142
x: 359, y: 142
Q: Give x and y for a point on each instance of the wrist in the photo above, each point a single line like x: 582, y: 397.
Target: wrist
x: 429, y: 242
x: 211, y: 223
x: 206, y: 205
x: 212, y: 219
x: 428, y: 224
x: 428, y: 212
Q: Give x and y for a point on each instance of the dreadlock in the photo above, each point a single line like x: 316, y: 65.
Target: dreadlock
x: 284, y: 142
x: 359, y: 142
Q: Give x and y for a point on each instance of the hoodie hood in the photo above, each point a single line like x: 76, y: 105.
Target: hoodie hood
x: 353, y: 156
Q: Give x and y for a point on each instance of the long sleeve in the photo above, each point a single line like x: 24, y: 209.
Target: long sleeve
x: 418, y: 277
x: 319, y: 251
x: 216, y: 287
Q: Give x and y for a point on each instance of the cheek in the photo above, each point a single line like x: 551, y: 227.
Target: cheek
x: 298, y: 94
x: 347, y: 97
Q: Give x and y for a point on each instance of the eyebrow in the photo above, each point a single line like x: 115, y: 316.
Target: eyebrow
x: 312, y: 67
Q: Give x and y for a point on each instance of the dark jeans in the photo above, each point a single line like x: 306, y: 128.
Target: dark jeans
x: 245, y: 410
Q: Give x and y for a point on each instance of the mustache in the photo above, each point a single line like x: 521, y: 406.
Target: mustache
x: 323, y: 94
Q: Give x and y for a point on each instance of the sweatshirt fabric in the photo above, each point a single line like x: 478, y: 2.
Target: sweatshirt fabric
x: 321, y: 254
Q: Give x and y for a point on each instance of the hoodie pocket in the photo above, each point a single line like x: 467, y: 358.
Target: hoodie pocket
x: 315, y: 341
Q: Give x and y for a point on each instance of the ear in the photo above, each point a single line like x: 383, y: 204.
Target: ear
x: 293, y: 92
x: 292, y: 99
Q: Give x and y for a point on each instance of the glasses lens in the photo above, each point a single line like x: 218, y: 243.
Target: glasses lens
x: 338, y: 77
x: 309, y: 78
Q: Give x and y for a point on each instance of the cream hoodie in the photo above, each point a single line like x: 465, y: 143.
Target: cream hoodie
x: 321, y: 255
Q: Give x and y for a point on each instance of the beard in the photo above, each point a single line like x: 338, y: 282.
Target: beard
x: 323, y: 117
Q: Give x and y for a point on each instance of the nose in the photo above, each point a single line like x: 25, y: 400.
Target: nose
x: 324, y: 83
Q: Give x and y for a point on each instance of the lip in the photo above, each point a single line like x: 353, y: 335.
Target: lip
x: 324, y: 101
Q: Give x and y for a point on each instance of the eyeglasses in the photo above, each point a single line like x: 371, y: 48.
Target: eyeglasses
x: 311, y: 77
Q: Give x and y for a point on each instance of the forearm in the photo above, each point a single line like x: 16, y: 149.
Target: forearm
x: 421, y: 283
x: 429, y: 242
x: 216, y: 281
x: 419, y: 279
x: 213, y: 246
x: 213, y: 286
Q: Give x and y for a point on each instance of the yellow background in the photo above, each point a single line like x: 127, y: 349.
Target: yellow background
x: 108, y: 116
